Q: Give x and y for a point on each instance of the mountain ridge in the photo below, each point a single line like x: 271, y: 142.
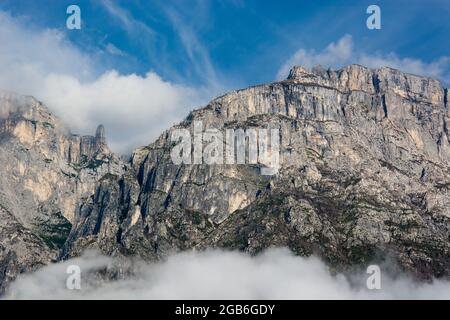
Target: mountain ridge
x: 153, y: 194
x: 365, y: 171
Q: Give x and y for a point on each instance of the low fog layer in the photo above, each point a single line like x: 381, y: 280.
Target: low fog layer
x: 275, y: 274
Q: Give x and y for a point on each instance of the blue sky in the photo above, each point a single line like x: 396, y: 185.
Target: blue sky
x: 245, y: 42
x: 198, y: 49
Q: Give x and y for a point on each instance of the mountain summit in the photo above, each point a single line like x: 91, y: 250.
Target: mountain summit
x: 364, y: 176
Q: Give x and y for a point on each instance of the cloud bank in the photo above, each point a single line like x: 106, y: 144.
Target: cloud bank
x: 343, y: 52
x: 275, y: 274
x: 135, y: 109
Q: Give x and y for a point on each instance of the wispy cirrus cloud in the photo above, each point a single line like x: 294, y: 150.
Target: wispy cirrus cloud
x: 112, y: 49
x: 129, y: 23
x: 134, y: 108
x: 183, y: 23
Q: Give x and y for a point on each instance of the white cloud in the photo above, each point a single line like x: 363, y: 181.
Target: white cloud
x: 343, y: 52
x: 276, y: 274
x: 131, y: 25
x: 335, y: 54
x: 112, y: 49
x: 197, y: 52
x: 436, y: 69
x: 134, y: 109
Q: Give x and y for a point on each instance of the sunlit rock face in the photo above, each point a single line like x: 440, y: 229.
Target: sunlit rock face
x: 364, y: 176
x: 45, y: 172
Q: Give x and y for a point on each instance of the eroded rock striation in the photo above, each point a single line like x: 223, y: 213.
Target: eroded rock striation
x: 364, y: 176
x: 45, y: 171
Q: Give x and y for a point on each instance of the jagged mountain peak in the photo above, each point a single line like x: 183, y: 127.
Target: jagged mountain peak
x: 358, y: 77
x: 13, y: 104
x: 364, y: 173
x: 45, y: 170
x: 32, y: 122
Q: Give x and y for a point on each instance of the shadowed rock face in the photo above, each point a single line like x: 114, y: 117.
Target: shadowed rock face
x: 44, y: 172
x: 364, y: 176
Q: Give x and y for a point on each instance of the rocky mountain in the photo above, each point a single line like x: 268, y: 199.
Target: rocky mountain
x: 364, y: 176
x: 45, y: 172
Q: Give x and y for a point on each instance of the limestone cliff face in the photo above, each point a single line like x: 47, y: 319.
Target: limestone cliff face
x: 365, y: 175
x: 44, y: 171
